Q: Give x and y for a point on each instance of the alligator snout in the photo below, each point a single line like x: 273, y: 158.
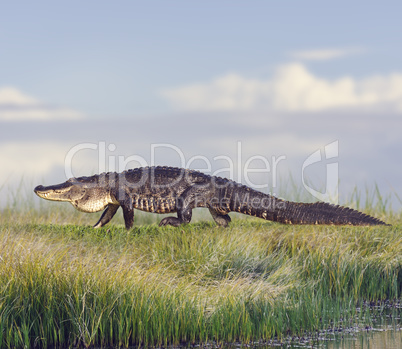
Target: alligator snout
x: 41, y: 191
x: 39, y: 188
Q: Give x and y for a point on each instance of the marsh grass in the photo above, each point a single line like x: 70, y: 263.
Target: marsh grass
x: 63, y: 283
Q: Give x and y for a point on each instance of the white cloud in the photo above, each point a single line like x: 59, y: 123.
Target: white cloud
x: 12, y: 96
x: 33, y: 158
x: 292, y: 88
x: 17, y: 106
x: 36, y: 159
x: 324, y: 54
x: 230, y: 92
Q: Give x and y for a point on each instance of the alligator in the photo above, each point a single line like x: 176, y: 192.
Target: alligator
x: 170, y: 189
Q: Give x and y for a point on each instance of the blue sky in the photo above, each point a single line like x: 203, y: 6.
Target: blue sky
x: 106, y: 58
x: 283, y: 78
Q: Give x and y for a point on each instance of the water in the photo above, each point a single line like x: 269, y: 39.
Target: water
x: 385, y: 337
x: 383, y: 332
x: 381, y: 338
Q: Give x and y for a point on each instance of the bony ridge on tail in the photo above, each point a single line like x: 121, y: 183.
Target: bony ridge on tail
x: 171, y: 189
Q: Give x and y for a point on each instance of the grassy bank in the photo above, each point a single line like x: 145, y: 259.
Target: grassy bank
x: 63, y: 283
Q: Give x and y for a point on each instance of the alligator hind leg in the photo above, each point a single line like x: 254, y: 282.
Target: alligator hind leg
x: 222, y: 220
x: 107, y: 215
x: 191, y: 198
x: 183, y: 216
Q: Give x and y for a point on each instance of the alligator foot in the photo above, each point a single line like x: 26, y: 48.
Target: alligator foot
x: 170, y: 221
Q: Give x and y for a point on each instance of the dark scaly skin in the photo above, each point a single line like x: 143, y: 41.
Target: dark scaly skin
x: 170, y: 189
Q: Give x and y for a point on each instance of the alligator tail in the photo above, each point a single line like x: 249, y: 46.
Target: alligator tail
x: 254, y: 203
x: 323, y: 213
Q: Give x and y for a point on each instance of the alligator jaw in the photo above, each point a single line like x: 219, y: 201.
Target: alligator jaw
x: 48, y: 193
x: 41, y: 191
x: 75, y: 193
x: 58, y: 192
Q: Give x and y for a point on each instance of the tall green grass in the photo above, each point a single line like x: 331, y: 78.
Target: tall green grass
x: 63, y: 283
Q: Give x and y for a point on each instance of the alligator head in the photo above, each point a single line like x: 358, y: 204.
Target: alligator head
x: 83, y: 193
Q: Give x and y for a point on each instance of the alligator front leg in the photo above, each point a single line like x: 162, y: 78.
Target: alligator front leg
x: 128, y: 213
x: 107, y: 215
